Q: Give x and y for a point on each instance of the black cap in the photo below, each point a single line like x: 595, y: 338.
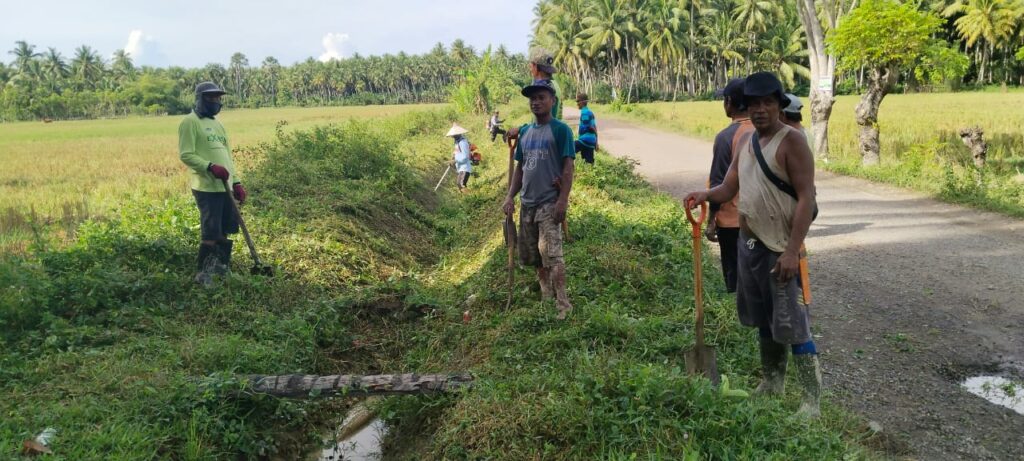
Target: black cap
x: 544, y: 61
x: 733, y: 90
x: 538, y: 85
x: 764, y: 84
x: 208, y: 88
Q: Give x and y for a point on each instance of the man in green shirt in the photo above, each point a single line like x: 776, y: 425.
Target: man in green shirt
x: 203, y: 146
x: 542, y: 67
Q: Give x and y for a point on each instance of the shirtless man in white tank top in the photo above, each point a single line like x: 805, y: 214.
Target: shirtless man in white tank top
x: 773, y: 227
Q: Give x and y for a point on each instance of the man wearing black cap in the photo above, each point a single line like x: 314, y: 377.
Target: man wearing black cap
x: 542, y: 67
x: 775, y: 214
x: 203, y: 147
x: 544, y: 157
x: 724, y: 221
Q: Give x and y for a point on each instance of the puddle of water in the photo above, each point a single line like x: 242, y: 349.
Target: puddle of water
x: 998, y: 390
x: 364, y: 445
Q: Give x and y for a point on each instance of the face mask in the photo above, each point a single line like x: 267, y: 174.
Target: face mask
x: 211, y: 108
x: 206, y: 108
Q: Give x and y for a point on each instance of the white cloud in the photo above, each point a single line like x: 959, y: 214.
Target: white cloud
x: 134, y: 45
x: 144, y: 49
x: 335, y: 47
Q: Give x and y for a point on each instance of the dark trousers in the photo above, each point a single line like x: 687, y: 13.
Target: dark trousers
x: 586, y: 152
x: 216, y: 216
x: 495, y: 132
x: 727, y: 240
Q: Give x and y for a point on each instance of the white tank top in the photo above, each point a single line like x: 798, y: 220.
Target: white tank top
x: 767, y: 211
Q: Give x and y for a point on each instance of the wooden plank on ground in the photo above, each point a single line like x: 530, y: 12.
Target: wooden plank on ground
x: 392, y: 384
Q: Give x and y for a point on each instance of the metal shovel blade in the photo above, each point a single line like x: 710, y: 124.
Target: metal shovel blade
x: 262, y: 269
x: 701, y: 360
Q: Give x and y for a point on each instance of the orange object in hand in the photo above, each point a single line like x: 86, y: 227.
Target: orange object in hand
x: 805, y: 275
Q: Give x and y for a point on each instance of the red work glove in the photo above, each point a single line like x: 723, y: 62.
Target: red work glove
x: 218, y: 171
x: 240, y: 193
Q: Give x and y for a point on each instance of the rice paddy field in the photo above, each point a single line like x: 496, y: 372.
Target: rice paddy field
x: 921, y: 147
x: 55, y: 175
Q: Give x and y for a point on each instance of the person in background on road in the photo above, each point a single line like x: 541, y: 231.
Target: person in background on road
x: 203, y: 146
x: 542, y: 67
x: 586, y: 143
x: 724, y: 219
x: 462, y: 155
x: 791, y: 114
x: 494, y: 126
x: 545, y: 159
x: 773, y: 226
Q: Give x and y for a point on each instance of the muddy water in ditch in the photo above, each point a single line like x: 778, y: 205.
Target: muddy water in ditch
x: 363, y: 445
x: 997, y: 390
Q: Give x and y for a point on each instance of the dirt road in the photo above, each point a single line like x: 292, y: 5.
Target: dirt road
x: 910, y: 296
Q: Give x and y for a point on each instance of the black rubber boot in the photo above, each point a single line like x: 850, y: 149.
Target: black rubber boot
x: 205, y: 264
x: 224, y: 256
x: 773, y: 365
x: 808, y: 372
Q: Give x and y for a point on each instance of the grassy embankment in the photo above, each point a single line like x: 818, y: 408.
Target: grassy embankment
x: 103, y: 338
x: 921, y: 147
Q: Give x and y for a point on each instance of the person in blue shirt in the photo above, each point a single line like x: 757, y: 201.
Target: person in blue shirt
x: 462, y: 155
x: 586, y: 143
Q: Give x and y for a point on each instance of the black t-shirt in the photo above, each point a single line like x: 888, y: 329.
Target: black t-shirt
x: 722, y: 157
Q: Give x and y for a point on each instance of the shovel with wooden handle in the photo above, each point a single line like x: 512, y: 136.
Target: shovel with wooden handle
x: 511, y: 238
x: 700, y: 360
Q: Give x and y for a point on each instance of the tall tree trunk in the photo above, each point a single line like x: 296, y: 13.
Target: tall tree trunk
x: 823, y: 66
x: 879, y: 81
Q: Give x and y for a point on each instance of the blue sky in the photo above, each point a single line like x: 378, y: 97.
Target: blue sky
x: 192, y: 33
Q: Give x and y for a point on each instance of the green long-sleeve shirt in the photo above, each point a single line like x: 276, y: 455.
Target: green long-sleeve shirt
x: 202, y: 141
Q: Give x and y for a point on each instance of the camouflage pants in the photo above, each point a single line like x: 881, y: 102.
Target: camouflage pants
x: 540, y: 237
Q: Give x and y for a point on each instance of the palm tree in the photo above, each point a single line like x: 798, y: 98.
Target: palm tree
x: 990, y: 22
x: 5, y: 74
x: 122, y: 67
x: 754, y: 15
x: 87, y: 66
x: 724, y: 43
x: 55, y: 68
x: 783, y: 51
x: 272, y: 73
x: 608, y: 28
x: 664, y: 45
x: 23, y: 53
x: 239, y: 65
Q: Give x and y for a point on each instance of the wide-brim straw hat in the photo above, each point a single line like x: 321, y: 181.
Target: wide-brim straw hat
x: 456, y: 130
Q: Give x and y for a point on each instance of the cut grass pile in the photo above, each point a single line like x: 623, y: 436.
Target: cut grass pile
x: 921, y: 147
x: 108, y: 342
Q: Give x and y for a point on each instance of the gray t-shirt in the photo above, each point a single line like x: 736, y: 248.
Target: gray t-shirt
x: 541, y: 151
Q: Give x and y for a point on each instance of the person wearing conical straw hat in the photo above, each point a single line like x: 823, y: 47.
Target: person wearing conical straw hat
x: 462, y: 155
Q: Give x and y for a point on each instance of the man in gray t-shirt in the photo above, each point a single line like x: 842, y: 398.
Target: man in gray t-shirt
x: 545, y: 157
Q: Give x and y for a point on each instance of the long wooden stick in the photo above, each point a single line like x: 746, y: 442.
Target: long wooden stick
x: 510, y: 228
x: 315, y: 386
x: 442, y: 177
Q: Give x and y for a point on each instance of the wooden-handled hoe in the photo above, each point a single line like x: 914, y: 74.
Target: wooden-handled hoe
x: 258, y: 267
